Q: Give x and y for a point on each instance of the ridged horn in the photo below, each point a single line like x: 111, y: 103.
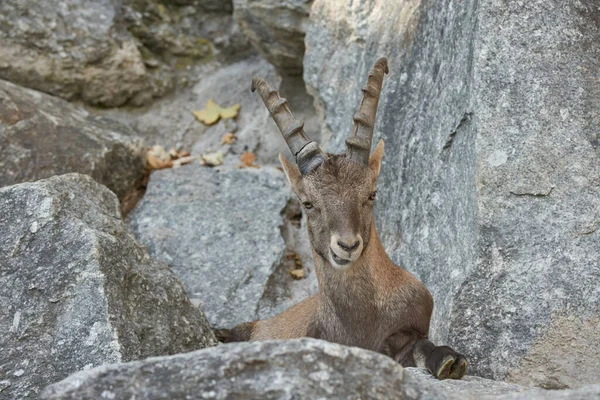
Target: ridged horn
x: 308, y: 154
x: 358, y: 144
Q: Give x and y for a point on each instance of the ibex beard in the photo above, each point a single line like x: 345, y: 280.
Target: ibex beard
x: 364, y: 299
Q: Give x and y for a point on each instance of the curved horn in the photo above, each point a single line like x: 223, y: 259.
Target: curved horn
x: 359, y: 143
x: 308, y: 154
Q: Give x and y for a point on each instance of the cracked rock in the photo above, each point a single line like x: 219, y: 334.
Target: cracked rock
x: 77, y: 291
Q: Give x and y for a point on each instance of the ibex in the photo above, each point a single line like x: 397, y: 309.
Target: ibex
x: 364, y: 299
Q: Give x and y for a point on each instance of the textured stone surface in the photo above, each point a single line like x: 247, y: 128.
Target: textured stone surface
x: 584, y: 393
x: 110, y: 53
x: 538, y: 193
x: 276, y: 29
x: 170, y: 121
x: 41, y: 136
x: 219, y: 230
x: 294, y: 369
x: 184, y: 32
x: 77, y: 291
x: 490, y: 187
x: 74, y: 49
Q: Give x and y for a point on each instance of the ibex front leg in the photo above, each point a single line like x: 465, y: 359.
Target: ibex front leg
x: 410, y: 349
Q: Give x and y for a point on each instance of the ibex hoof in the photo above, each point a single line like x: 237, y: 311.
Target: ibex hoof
x: 445, y: 363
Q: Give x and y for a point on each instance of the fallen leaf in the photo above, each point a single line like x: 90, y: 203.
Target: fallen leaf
x: 182, y: 154
x: 212, y: 159
x: 297, y: 273
x: 159, y: 152
x: 158, y: 158
x: 247, y: 159
x: 228, y: 138
x: 157, y: 163
x: 183, y: 160
x: 211, y: 113
x: 230, y: 112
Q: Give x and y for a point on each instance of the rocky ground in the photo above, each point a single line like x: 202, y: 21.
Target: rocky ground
x: 115, y: 262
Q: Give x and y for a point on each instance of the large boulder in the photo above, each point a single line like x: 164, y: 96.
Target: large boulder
x: 220, y: 231
x: 77, y: 291
x: 490, y: 187
x: 304, y: 368
x: 276, y: 29
x: 74, y: 49
x: 110, y: 53
x: 42, y: 136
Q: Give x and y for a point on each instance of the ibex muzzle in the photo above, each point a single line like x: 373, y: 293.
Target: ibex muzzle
x: 364, y: 299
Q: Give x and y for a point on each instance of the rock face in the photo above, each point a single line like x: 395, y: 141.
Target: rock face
x: 182, y: 33
x: 219, y: 230
x: 41, y: 136
x: 77, y: 291
x: 170, y: 121
x: 303, y: 368
x: 110, y: 53
x: 490, y: 187
x: 73, y: 49
x: 276, y: 29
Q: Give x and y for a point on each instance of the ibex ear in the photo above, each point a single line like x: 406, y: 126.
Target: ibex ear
x: 291, y: 171
x: 375, y: 158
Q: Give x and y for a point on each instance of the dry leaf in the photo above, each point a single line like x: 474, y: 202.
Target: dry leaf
x: 157, y: 163
x: 173, y: 153
x: 230, y: 112
x: 183, y: 160
x: 159, y: 152
x: 247, y: 160
x: 228, y: 138
x: 212, y: 159
x: 211, y: 113
x: 182, y: 154
x: 297, y: 273
x: 158, y: 158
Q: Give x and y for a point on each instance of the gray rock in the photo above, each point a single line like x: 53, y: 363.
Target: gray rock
x: 276, y: 29
x: 490, y: 187
x: 74, y: 49
x: 584, y: 393
x: 77, y: 291
x: 111, y: 53
x: 184, y: 32
x: 41, y: 136
x: 219, y: 230
x: 303, y: 368
x: 170, y: 122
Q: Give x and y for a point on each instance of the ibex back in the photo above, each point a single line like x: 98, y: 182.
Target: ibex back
x: 364, y: 300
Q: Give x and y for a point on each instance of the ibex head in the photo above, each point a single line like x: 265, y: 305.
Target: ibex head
x: 337, y: 191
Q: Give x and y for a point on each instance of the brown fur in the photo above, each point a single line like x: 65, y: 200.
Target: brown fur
x: 371, y: 303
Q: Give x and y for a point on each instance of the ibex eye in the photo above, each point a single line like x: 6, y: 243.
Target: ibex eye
x: 372, y: 196
x: 307, y: 205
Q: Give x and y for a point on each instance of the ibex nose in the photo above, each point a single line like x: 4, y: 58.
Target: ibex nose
x: 348, y: 247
